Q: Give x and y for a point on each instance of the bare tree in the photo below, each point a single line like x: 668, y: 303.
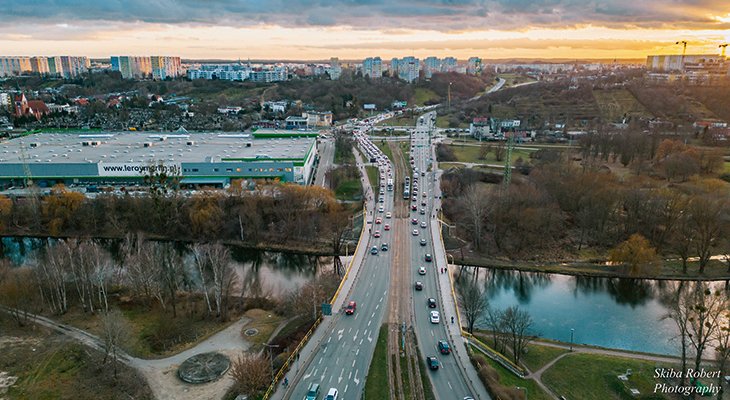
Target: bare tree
x: 473, y: 202
x: 115, y: 333
x: 679, y: 313
x: 495, y: 323
x: 213, y: 262
x: 251, y: 374
x: 171, y: 274
x: 706, y: 222
x: 517, y: 324
x: 51, y: 275
x: 706, y: 308
x: 138, y: 269
x: 473, y: 302
x: 722, y: 347
x: 17, y: 292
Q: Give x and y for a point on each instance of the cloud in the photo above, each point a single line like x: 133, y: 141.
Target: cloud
x: 443, y: 15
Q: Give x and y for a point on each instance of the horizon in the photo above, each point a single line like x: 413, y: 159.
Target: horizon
x: 351, y: 30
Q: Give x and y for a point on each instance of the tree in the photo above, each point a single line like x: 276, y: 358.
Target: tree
x: 517, y: 324
x: 636, y: 252
x: 679, y: 313
x: 484, y: 151
x: 140, y: 272
x: 473, y: 302
x: 171, y: 274
x: 51, y: 275
x: 495, y: 323
x: 472, y: 201
x: 216, y: 271
x: 17, y: 292
x: 706, y: 219
x: 115, y: 333
x: 722, y: 347
x: 707, y: 307
x: 499, y: 152
x: 251, y: 374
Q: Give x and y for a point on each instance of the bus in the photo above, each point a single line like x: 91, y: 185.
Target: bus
x: 390, y: 185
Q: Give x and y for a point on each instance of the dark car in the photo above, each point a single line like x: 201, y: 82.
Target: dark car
x: 419, y: 285
x: 431, y: 302
x: 444, y: 347
x: 423, y: 242
x: 428, y: 257
x: 433, y: 362
x: 414, y: 221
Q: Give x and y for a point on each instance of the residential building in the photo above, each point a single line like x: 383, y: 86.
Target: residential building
x: 406, y: 68
x: 164, y: 67
x: 39, y: 65
x: 4, y: 100
x: 296, y: 123
x: 480, y: 129
x: 24, y: 107
x: 448, y: 64
x: 372, y: 67
x: 140, y: 67
x: 431, y: 65
x: 318, y: 118
x: 474, y: 66
x: 71, y: 66
x: 12, y: 66
x: 335, y: 69
x: 239, y: 72
x: 688, y: 63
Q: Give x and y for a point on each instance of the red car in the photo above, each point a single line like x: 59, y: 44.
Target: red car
x: 386, y: 227
x: 351, y: 306
x: 376, y: 234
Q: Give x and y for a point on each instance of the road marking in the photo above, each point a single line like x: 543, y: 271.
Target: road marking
x: 449, y: 383
x: 339, y: 379
x: 330, y: 339
x: 357, y: 381
x: 353, y: 364
x: 357, y: 352
x: 349, y: 376
x: 306, y: 376
x: 361, y: 340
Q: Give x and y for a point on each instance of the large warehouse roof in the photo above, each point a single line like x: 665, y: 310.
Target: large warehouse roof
x: 151, y: 147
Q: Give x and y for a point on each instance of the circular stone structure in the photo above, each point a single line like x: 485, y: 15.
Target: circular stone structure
x: 251, y: 332
x: 203, y: 368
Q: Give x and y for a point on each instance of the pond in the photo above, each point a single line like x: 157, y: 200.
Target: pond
x: 608, y: 312
x: 272, y: 272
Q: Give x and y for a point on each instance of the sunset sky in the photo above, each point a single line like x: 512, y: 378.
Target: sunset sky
x: 354, y: 29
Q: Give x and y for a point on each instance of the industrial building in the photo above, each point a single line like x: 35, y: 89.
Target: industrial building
x: 202, y: 159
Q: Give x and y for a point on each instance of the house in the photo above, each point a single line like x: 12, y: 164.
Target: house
x: 315, y: 118
x: 297, y: 123
x: 23, y: 107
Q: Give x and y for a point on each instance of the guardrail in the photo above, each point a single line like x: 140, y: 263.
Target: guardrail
x: 498, y: 357
x: 285, y: 367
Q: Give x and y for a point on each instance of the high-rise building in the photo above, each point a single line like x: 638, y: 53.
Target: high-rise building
x: 11, y: 66
x: 73, y: 66
x: 474, y: 66
x: 372, y: 67
x: 143, y: 67
x: 431, y: 65
x: 448, y: 64
x: 335, y: 69
x: 408, y: 68
x: 164, y: 67
x: 39, y: 65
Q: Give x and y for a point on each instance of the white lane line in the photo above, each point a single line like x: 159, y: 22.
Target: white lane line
x: 339, y: 379
x: 449, y: 383
x: 330, y: 339
x: 357, y: 381
x: 353, y: 364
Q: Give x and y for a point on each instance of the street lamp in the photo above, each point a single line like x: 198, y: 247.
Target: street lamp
x: 271, y: 359
x: 522, y: 388
x: 571, y: 338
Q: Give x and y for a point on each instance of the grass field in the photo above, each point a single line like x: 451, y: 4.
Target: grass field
x: 400, y: 120
x: 614, y: 104
x: 349, y: 190
x: 470, y: 154
x: 373, y: 176
x: 510, y: 380
x: 422, y: 95
x: 515, y: 79
x: 594, y: 377
x: 265, y: 322
x: 538, y: 356
x: 376, y: 386
x: 383, y: 146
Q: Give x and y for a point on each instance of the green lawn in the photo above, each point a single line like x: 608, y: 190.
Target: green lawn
x: 508, y: 379
x: 594, y: 377
x: 376, y: 386
x: 383, y: 146
x: 537, y: 356
x: 470, y: 154
x: 373, y: 175
x: 726, y: 168
x: 448, y: 165
x: 422, y: 95
x: 349, y: 190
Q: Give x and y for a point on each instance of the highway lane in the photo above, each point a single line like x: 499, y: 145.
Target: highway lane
x: 448, y: 381
x: 344, y: 356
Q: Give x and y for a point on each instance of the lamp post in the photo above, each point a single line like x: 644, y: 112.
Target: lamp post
x: 571, y: 338
x: 522, y: 388
x: 271, y: 359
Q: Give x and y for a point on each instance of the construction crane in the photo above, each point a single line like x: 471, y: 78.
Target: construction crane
x: 27, y: 176
x: 723, y: 47
x: 684, y: 49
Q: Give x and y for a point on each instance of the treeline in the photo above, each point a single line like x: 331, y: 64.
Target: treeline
x: 284, y: 215
x: 562, y: 207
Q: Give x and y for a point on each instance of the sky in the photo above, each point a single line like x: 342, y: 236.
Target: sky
x: 355, y: 29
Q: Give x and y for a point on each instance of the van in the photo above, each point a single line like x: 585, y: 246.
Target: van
x: 312, y: 392
x: 332, y: 394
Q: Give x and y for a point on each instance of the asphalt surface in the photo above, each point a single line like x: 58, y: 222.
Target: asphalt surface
x: 344, y: 354
x: 448, y: 381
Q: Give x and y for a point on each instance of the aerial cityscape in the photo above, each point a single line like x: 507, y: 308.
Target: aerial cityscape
x: 429, y: 200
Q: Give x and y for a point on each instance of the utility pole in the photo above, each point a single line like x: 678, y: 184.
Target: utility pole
x: 271, y: 359
x: 507, y: 175
x: 449, y: 95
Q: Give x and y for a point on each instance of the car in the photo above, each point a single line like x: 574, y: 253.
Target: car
x: 414, y: 198
x: 468, y: 398
x: 427, y: 257
x: 415, y: 232
x: 386, y: 227
x: 423, y: 173
x: 418, y: 285
x: 414, y: 221
x: 378, y: 220
x: 376, y: 234
x: 423, y: 211
x: 423, y: 224
x: 332, y: 394
x: 351, y: 307
x: 423, y: 242
x: 431, y: 302
x: 424, y: 194
x: 381, y: 199
x: 432, y: 362
x: 421, y: 270
x: 374, y: 250
x: 423, y: 203
x: 384, y: 247
x: 435, y: 317
x: 388, y: 214
x: 414, y: 207
x: 313, y: 391
x: 381, y: 209
x: 444, y: 347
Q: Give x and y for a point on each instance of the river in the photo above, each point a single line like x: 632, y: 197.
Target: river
x: 608, y: 312
x: 272, y: 272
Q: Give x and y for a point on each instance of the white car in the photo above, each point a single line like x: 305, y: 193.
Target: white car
x: 421, y: 270
x: 388, y: 214
x: 381, y: 209
x: 435, y: 317
x: 423, y: 224
x: 415, y: 232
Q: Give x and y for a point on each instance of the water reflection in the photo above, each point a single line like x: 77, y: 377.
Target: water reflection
x: 261, y: 272
x: 609, y: 312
